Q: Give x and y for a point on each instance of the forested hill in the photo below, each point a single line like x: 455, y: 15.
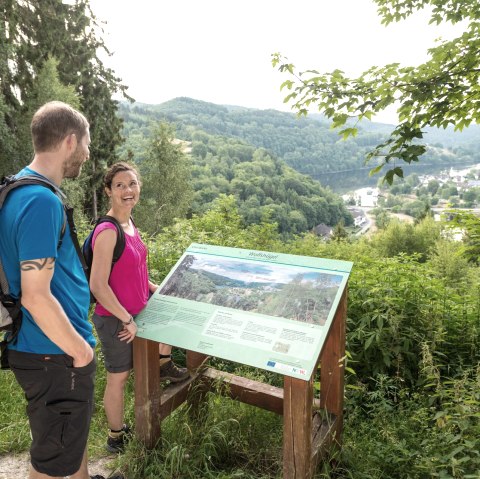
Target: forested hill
x: 264, y: 187
x: 306, y: 144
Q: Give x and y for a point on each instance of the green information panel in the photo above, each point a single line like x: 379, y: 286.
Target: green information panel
x: 268, y: 310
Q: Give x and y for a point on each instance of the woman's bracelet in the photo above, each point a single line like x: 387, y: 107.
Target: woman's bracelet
x: 130, y: 321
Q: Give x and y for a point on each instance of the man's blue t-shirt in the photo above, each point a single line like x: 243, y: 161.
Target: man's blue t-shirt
x: 31, y: 221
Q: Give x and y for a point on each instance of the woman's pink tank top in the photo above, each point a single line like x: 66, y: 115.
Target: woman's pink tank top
x: 129, y: 276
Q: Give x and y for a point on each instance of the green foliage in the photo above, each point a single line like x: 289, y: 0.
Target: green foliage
x: 412, y: 395
x: 339, y: 233
x: 442, y: 91
x: 434, y: 433
x: 384, y: 318
x: 38, y: 30
x: 382, y: 218
x: 449, y: 262
x: 398, y: 237
x: 399, y: 309
x: 46, y: 86
x: 7, y: 139
x: 165, y: 171
x: 265, y: 188
x: 240, y: 438
x: 469, y: 224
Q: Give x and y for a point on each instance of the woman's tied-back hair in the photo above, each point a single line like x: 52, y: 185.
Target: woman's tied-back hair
x: 118, y: 168
x: 53, y: 122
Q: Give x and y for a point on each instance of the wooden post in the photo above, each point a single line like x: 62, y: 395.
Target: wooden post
x: 332, y: 367
x: 195, y: 360
x: 297, y: 428
x: 147, y: 391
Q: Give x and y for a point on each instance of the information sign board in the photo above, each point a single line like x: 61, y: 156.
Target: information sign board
x: 263, y: 309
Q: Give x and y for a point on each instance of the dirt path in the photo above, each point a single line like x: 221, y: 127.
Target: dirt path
x: 16, y: 466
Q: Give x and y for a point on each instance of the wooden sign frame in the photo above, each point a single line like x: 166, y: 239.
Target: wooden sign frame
x: 312, y: 426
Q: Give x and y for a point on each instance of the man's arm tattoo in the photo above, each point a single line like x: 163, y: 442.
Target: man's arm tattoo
x: 45, y: 263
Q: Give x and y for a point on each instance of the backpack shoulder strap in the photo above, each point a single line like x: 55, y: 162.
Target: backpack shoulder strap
x: 120, y: 244
x: 73, y: 234
x: 10, y: 182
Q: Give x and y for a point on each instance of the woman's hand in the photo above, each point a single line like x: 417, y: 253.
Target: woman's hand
x: 128, y: 332
x: 152, y: 287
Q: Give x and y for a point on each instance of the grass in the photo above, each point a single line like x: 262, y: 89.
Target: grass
x: 433, y: 433
x: 14, y: 429
x: 232, y: 440
x: 389, y: 433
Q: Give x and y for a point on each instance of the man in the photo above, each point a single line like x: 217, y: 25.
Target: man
x: 52, y: 357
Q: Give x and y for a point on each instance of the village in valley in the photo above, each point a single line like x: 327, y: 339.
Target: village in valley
x: 448, y: 189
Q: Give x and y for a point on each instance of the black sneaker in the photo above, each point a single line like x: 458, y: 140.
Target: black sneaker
x: 116, y: 476
x: 117, y: 444
x: 169, y: 371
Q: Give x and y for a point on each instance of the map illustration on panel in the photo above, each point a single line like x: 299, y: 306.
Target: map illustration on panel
x: 292, y: 292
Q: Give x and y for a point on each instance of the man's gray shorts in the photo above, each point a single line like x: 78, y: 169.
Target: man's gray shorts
x: 60, y: 406
x: 118, y: 355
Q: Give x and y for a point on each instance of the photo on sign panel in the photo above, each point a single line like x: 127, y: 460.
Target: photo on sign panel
x: 292, y: 292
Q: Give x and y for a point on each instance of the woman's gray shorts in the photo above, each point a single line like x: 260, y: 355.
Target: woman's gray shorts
x: 118, y: 355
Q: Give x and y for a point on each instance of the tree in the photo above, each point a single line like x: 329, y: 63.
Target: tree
x: 449, y: 262
x: 470, y: 196
x: 443, y: 91
x: 46, y: 86
x: 469, y: 225
x: 339, y: 233
x: 166, y: 189
x: 433, y: 186
x: 7, y: 140
x: 403, y: 238
x: 424, y: 213
x: 31, y: 31
x: 382, y: 218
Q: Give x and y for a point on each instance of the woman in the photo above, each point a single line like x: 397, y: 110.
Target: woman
x: 121, y: 293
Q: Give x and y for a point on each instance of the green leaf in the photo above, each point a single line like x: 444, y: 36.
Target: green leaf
x: 346, y: 132
x: 287, y: 84
x: 375, y: 170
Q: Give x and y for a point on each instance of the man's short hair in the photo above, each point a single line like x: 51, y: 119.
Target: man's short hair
x: 53, y: 122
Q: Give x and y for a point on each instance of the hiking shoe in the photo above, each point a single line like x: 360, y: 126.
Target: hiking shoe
x: 117, y: 444
x: 116, y: 476
x: 171, y: 372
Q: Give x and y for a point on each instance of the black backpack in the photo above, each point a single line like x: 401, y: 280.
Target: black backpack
x: 10, y: 307
x: 87, y: 250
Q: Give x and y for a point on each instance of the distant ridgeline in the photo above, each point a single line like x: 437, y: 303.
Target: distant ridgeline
x: 262, y: 157
x: 306, y: 144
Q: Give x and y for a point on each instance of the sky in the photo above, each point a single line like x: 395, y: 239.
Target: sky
x: 220, y: 50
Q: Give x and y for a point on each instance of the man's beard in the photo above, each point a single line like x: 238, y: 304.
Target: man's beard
x: 73, y: 165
